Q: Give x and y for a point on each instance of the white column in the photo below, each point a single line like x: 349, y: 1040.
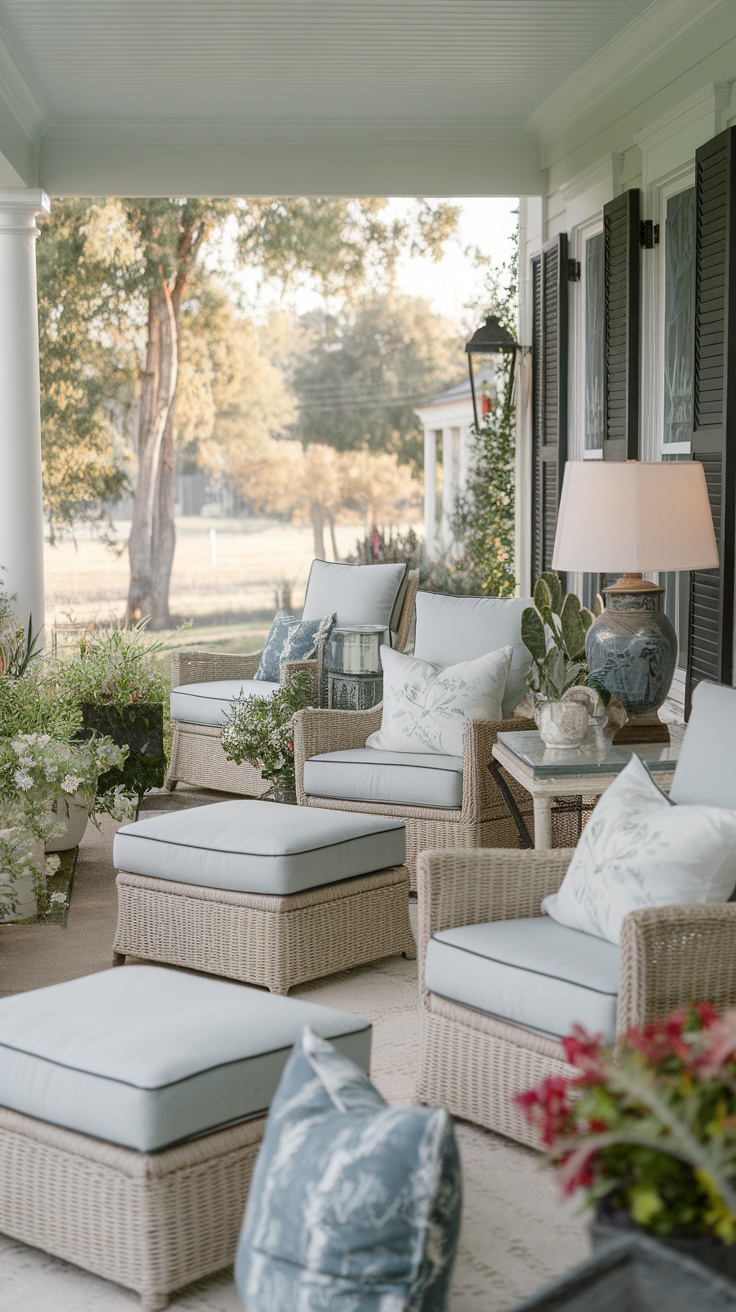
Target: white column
x: 449, y: 490
x: 21, y: 504
x: 430, y: 490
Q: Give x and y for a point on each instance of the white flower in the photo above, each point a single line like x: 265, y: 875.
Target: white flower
x: 23, y: 780
x: 59, y: 898
x: 52, y: 865
x: 71, y: 783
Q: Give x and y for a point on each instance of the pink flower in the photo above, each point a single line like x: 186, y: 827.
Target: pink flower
x: 583, y: 1051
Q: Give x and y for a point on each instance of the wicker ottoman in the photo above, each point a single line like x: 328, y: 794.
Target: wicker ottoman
x: 263, y: 893
x: 114, y: 1091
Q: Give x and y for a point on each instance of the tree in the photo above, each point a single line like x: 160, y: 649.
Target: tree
x: 340, y: 242
x: 485, y: 515
x: 88, y: 265
x: 367, y: 369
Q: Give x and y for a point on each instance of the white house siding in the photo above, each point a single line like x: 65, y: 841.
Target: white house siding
x: 632, y: 117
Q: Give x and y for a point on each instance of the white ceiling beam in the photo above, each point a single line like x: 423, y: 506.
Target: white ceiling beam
x: 434, y: 167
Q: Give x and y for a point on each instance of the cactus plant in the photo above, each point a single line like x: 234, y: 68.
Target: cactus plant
x: 553, y: 631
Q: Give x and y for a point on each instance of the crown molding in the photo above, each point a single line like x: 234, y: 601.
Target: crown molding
x: 604, y: 172
x: 662, y: 24
x: 711, y: 102
x: 18, y: 94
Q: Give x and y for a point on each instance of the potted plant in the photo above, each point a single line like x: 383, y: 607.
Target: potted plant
x: 553, y: 631
x: 648, y: 1132
x: 120, y: 689
x: 259, y: 730
x: 63, y: 780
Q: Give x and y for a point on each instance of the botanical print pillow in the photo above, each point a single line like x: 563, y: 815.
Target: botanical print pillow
x: 304, y: 635
x: 640, y: 850
x: 426, y: 709
x: 353, y: 1203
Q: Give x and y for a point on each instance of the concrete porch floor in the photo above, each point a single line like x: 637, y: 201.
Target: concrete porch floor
x: 516, y: 1232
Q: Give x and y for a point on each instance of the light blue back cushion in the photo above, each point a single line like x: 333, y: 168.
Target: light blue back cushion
x: 354, y: 1205
x: 291, y: 639
x: 359, y: 594
x: 454, y: 629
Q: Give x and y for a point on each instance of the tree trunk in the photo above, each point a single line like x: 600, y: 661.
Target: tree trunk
x: 164, y: 530
x: 333, y: 535
x: 158, y: 388
x: 318, y: 529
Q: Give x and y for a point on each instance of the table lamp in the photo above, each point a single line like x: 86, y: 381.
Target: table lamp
x: 630, y: 517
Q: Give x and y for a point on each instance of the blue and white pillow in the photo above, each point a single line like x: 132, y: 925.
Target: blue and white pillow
x: 354, y: 1204
x: 300, y: 638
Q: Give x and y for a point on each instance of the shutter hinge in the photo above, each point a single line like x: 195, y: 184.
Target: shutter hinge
x: 648, y: 234
x: 573, y: 270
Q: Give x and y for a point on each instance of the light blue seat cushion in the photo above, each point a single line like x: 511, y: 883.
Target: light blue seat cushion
x: 454, y: 629
x: 534, y: 973
x: 259, y: 847
x: 368, y: 775
x: 146, y: 1057
x: 210, y: 703
x: 354, y: 1204
x: 357, y: 594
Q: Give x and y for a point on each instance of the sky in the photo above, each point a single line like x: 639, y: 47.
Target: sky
x: 451, y: 285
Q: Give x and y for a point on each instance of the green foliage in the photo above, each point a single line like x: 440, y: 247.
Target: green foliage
x: 651, y: 1128
x: 366, y: 370
x: 115, y: 666
x: 87, y: 268
x: 139, y: 727
x: 447, y: 574
x: 35, y: 703
x: 553, y: 631
x: 259, y: 730
x: 485, y: 515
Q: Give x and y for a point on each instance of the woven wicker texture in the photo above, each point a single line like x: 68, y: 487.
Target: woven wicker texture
x: 473, y: 1064
x: 151, y: 1222
x: 196, y: 754
x: 482, y: 821
x: 275, y: 942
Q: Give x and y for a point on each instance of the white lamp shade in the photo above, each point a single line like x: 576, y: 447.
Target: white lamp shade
x: 634, y: 517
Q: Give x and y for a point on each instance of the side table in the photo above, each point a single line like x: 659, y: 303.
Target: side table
x: 551, y: 772
x: 354, y: 671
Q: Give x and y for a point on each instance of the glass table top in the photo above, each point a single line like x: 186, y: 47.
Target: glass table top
x: 596, y: 756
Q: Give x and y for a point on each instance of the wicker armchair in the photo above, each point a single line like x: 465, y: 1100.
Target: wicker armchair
x: 196, y: 753
x: 471, y: 1062
x: 483, y: 819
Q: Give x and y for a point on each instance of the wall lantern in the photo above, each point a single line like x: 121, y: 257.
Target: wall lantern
x: 488, y: 340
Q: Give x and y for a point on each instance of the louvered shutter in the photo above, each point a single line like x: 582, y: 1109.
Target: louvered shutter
x: 710, y: 624
x: 622, y: 253
x: 549, y: 402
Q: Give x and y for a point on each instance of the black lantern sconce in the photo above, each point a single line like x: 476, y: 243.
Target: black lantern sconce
x: 488, y: 340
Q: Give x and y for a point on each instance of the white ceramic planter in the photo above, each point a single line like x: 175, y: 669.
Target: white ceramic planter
x: 24, y: 895
x: 75, y: 816
x: 563, y: 724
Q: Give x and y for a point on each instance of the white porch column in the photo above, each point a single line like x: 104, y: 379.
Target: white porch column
x: 430, y: 491
x: 21, y: 504
x: 449, y: 490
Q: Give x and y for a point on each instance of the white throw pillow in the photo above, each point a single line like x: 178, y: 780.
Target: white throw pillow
x: 426, y: 708
x: 640, y: 850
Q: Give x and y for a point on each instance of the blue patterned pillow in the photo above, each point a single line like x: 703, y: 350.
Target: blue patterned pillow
x: 354, y: 1204
x: 301, y: 636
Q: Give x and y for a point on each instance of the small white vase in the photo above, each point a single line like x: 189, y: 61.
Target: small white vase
x: 24, y: 894
x: 74, y: 815
x: 563, y: 723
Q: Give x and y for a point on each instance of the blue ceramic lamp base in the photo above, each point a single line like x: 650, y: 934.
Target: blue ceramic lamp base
x: 632, y: 650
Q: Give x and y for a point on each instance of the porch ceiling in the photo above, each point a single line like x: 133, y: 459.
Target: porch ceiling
x: 248, y: 96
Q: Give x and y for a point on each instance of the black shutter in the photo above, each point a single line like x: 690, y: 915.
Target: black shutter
x: 549, y: 402
x: 710, y: 624
x: 621, y: 219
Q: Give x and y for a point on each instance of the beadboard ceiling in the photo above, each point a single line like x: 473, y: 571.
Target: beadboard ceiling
x: 147, y: 94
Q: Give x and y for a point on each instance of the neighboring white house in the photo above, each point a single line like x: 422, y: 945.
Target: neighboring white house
x: 447, y: 421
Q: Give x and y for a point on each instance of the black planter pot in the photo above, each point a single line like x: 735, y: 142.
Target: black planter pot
x: 612, y: 1224
x: 140, y: 727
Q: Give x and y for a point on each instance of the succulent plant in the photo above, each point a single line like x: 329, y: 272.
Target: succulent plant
x: 553, y: 631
